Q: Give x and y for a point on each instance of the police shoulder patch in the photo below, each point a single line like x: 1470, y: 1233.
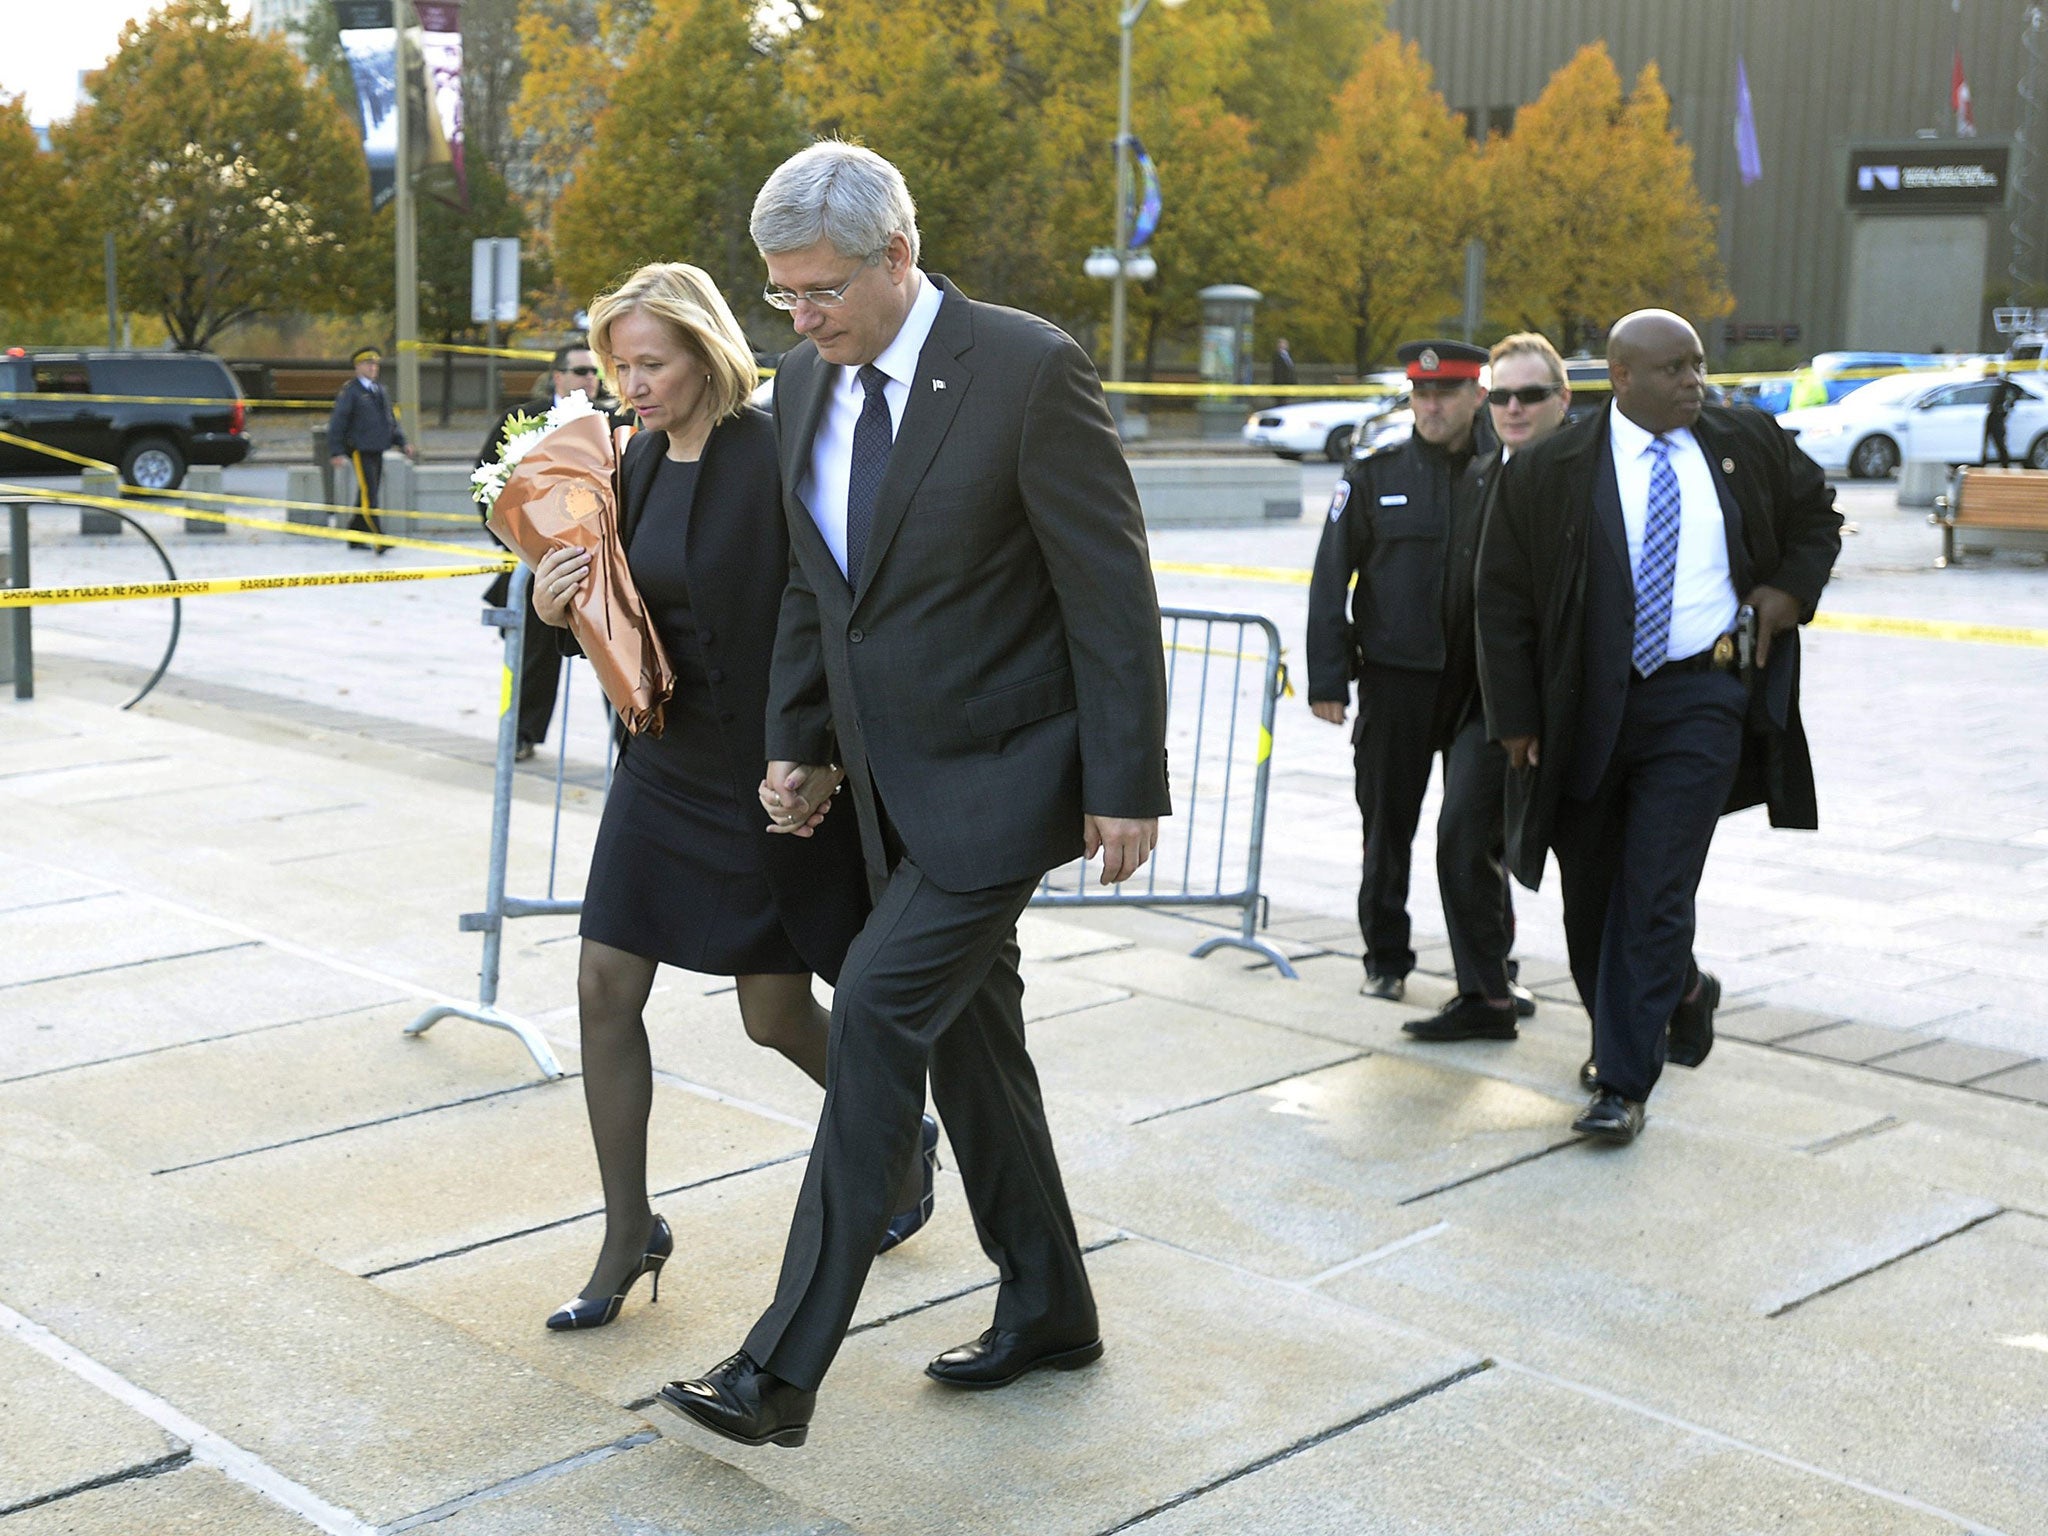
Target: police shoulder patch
x: 1339, y: 499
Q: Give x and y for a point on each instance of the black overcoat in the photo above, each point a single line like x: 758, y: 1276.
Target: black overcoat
x: 1783, y: 532
x: 736, y: 558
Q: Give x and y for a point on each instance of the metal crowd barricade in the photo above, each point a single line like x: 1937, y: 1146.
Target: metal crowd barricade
x: 1223, y: 671
x: 499, y: 905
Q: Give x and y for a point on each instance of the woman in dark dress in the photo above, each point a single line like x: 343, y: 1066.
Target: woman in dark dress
x: 685, y: 871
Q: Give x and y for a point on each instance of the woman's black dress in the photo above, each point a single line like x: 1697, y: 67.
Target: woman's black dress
x: 677, y: 874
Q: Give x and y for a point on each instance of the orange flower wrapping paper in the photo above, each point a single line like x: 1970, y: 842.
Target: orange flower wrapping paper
x: 565, y: 492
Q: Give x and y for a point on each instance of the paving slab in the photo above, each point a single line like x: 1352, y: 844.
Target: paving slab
x: 1769, y: 1023
x: 1061, y: 1453
x: 729, y: 1240
x: 404, y: 1190
x: 662, y: 1488
x: 58, y: 1433
x: 53, y: 1025
x: 194, y: 1500
x: 1855, y: 1042
x: 1867, y: 1004
x: 343, y: 1388
x: 1510, y: 1455
x: 1298, y: 1176
x: 97, y: 934
x: 1728, y: 1223
x: 23, y: 884
x: 1953, y: 1061
x: 1129, y: 1060
x: 252, y: 1090
x: 1997, y: 1168
x: 1042, y: 936
x: 2029, y: 1082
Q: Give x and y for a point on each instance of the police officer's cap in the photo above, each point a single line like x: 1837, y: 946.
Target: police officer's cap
x: 1450, y: 361
x: 371, y: 353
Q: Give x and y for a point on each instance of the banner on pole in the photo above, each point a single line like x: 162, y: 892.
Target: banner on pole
x: 438, y: 44
x: 1145, y: 221
x: 371, y: 44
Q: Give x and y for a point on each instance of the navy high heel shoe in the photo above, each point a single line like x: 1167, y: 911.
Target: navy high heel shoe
x: 579, y: 1313
x: 905, y: 1225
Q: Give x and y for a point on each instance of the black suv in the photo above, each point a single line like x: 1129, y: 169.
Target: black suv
x: 190, y: 412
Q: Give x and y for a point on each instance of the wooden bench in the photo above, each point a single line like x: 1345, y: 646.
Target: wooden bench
x: 1992, y: 509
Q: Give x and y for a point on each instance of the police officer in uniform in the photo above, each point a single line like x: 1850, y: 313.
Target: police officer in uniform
x: 362, y: 427
x: 1406, y: 522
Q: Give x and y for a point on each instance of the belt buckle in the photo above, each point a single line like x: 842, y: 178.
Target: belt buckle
x: 1724, y: 651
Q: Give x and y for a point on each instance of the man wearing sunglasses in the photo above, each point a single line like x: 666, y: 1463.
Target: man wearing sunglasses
x: 1405, y: 521
x: 573, y: 371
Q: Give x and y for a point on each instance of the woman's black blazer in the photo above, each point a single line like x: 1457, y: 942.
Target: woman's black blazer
x: 736, y: 560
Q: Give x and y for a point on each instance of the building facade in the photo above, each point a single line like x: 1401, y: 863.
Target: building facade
x: 1874, y: 223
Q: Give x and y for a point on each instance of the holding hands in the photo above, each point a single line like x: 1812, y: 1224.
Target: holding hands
x: 797, y: 796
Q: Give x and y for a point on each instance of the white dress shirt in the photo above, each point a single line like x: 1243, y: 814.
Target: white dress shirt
x: 823, y: 487
x: 1703, y: 600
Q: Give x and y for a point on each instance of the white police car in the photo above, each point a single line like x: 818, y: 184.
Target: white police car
x: 1326, y: 427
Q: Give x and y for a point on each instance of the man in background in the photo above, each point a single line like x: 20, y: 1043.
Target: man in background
x: 364, y: 424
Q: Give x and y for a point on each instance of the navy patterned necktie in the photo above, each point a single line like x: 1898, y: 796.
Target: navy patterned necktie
x: 873, y: 436
x: 1657, y: 574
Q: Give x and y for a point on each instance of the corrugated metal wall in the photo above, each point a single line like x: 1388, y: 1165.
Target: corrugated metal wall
x: 1823, y: 74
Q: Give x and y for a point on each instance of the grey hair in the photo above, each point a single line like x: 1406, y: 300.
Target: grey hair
x: 834, y: 191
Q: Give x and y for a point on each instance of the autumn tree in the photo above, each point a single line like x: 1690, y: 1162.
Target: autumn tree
x: 225, y: 203
x: 1592, y: 209
x: 696, y: 121
x: 571, y: 55
x: 1293, y: 73
x: 1368, y: 242
x: 40, y: 265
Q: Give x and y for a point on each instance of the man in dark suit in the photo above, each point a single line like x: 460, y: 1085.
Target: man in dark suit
x: 971, y: 631
x: 362, y: 427
x: 1612, y: 574
x: 573, y: 371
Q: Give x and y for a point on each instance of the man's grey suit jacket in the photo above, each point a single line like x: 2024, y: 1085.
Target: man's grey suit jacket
x: 999, y: 669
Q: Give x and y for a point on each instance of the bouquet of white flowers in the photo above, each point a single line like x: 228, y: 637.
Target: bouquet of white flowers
x: 556, y: 485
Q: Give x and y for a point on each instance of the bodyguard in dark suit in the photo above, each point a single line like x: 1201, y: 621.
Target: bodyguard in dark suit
x: 1405, y: 522
x: 540, y: 674
x: 971, y: 630
x: 362, y: 426
x: 1610, y: 579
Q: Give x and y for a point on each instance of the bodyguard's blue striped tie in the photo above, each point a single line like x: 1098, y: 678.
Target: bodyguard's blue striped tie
x: 1657, y: 573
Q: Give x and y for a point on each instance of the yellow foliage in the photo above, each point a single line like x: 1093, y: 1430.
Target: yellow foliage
x: 1368, y: 245
x: 1592, y: 209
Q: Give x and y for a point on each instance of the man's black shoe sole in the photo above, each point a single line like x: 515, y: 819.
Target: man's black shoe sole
x: 1064, y: 1360
x: 791, y: 1435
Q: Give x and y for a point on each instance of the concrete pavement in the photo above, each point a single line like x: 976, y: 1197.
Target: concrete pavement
x: 271, y: 1266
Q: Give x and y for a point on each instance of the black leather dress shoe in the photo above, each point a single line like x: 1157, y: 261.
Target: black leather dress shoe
x: 1610, y: 1117
x: 1391, y: 988
x: 739, y: 1400
x: 1525, y: 1000
x: 1589, y: 1076
x: 1691, y: 1034
x: 1465, y: 1018
x: 999, y: 1357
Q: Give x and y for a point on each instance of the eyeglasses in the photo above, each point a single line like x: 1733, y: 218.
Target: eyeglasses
x: 1528, y: 394
x: 817, y: 298
x: 586, y: 372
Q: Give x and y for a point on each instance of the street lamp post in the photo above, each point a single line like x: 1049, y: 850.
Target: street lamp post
x: 1125, y: 267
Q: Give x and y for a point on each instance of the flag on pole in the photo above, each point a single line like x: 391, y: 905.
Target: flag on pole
x: 1749, y: 158
x: 1959, y: 101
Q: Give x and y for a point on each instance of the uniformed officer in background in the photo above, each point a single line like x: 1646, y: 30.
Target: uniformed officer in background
x: 363, y: 425
x: 1406, y: 521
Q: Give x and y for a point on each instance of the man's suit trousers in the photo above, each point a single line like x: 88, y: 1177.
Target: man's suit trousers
x: 931, y: 985
x: 1630, y: 860
x: 1402, y: 715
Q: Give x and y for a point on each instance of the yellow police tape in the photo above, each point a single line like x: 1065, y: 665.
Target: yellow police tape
x: 268, y: 525
x: 464, y: 351
x: 215, y: 586
x: 222, y: 496
x: 1842, y: 623
x: 222, y: 401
